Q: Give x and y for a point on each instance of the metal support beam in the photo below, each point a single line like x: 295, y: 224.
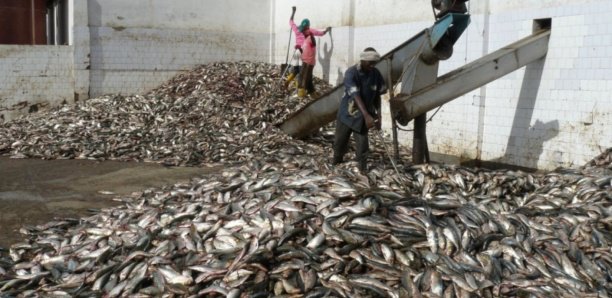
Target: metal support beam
x: 420, y: 152
x: 323, y: 110
x: 472, y: 76
x: 418, y: 74
x: 391, y: 87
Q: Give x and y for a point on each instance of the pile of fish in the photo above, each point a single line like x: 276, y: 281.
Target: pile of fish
x: 285, y: 223
x: 220, y: 112
x: 600, y: 165
x: 294, y: 227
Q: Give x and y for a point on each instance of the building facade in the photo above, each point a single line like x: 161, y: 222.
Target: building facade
x: 556, y: 112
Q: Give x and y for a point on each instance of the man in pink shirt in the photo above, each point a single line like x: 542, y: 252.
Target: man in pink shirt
x: 304, y: 34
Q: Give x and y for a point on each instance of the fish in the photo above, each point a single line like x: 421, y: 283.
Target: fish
x: 274, y: 216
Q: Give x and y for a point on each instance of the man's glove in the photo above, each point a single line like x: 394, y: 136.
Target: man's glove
x: 328, y: 29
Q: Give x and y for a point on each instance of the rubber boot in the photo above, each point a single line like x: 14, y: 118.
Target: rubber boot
x: 289, y: 79
x: 301, y: 92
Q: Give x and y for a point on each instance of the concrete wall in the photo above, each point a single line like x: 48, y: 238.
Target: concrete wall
x: 80, y: 39
x: 131, y: 47
x: 38, y: 77
x: 556, y: 112
x: 138, y: 44
x: 31, y: 75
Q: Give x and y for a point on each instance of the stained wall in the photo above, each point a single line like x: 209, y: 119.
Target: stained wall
x: 552, y: 113
x: 555, y: 112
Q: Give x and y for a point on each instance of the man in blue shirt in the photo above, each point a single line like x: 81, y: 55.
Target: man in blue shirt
x: 360, y: 107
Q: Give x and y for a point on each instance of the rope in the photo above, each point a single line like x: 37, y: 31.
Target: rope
x: 382, y: 139
x: 430, y: 118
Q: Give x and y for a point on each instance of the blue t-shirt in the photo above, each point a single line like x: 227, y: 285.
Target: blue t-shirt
x: 369, y: 86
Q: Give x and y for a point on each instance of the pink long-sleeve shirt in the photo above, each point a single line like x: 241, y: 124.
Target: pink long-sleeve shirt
x: 308, y: 51
x: 299, y: 36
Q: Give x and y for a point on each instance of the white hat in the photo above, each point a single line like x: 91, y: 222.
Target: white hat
x: 369, y: 56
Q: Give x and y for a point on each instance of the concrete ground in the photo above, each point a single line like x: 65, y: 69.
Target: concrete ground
x: 35, y: 191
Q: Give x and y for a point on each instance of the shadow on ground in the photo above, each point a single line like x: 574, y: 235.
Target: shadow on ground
x: 36, y: 191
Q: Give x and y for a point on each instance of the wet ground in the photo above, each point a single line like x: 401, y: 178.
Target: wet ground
x: 36, y: 191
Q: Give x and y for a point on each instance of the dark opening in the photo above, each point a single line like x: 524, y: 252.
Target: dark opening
x: 22, y: 22
x: 33, y: 108
x: 34, y: 22
x: 541, y: 24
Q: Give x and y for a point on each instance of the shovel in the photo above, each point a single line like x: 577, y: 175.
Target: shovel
x: 285, y: 65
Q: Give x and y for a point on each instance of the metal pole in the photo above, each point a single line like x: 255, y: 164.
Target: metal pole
x: 393, y: 123
x: 427, y: 159
x: 419, y: 140
x: 395, y: 141
x: 288, y: 45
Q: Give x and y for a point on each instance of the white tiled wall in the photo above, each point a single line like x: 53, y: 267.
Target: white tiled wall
x: 556, y: 112
x: 34, y: 77
x: 138, y: 59
x: 81, y: 62
x: 130, y: 47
